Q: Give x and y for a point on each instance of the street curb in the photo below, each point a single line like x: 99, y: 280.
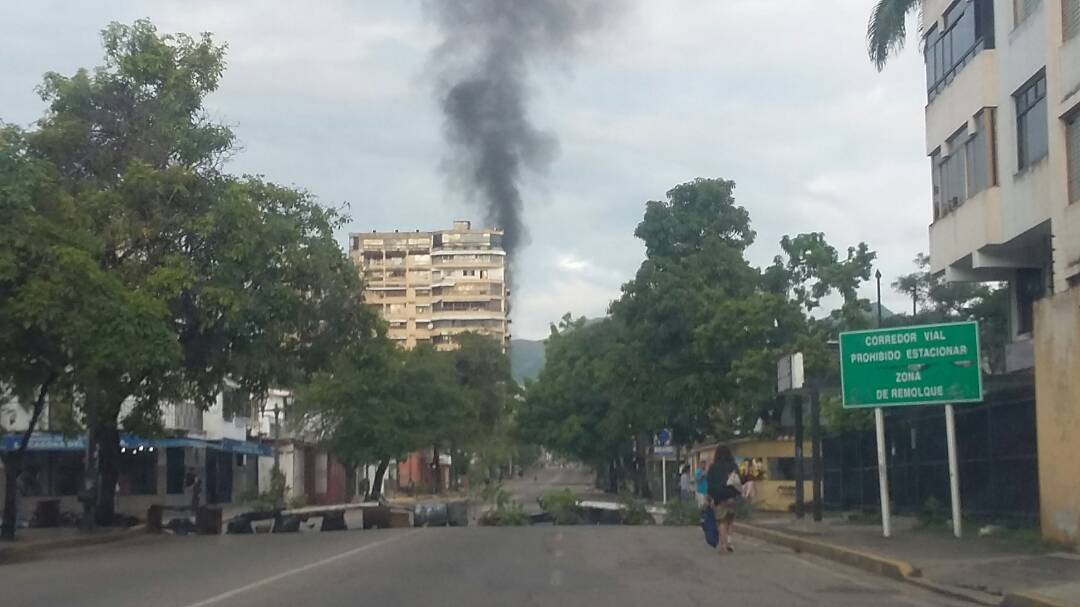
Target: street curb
x: 898, y: 570
x: 895, y: 569
x: 1032, y: 599
x: 17, y: 552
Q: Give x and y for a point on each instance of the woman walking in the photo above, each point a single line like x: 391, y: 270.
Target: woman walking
x: 725, y: 487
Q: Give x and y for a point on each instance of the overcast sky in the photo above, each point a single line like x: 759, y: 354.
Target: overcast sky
x: 334, y: 96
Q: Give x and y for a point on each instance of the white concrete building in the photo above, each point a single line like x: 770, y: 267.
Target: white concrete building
x: 1003, y: 136
x: 212, y: 444
x: 431, y: 286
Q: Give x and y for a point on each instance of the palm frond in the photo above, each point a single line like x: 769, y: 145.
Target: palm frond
x: 887, y: 31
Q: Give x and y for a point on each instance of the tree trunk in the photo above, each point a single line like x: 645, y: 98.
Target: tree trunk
x: 108, y: 461
x: 455, y: 461
x: 613, y: 477
x: 437, y: 471
x: 13, y: 464
x: 375, y: 492
x: 350, y: 483
x: 641, y: 477
x: 12, y: 469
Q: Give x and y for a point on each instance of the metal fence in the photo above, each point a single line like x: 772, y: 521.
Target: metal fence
x: 996, y: 452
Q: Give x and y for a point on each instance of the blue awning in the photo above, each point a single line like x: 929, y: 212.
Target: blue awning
x: 55, y: 441
x: 44, y: 441
x: 246, y: 447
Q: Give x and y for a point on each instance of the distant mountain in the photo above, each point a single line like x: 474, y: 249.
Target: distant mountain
x: 526, y: 358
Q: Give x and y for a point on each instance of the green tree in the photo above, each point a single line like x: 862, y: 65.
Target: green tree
x: 886, y: 33
x: 164, y: 275
x: 571, y: 408
x: 484, y: 426
x: 987, y: 303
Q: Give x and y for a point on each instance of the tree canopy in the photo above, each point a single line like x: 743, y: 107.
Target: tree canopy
x: 139, y: 272
x: 692, y: 343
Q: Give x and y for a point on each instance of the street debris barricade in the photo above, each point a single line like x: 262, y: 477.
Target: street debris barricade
x: 372, y: 515
x: 454, y: 513
x: 207, y: 519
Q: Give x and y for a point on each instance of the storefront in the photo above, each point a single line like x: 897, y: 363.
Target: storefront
x: 151, y: 470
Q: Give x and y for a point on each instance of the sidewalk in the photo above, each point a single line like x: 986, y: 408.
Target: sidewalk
x: 33, y: 542
x: 981, y: 568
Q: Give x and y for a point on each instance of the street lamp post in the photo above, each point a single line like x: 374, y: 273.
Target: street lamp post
x: 877, y: 275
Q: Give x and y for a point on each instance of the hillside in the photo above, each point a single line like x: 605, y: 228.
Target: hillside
x: 526, y: 358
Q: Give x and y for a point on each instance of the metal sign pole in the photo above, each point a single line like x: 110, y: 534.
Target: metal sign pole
x: 663, y: 473
x: 883, y: 473
x: 954, y: 468
x: 800, y: 477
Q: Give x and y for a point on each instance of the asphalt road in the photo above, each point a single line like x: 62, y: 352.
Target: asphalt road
x: 542, y: 565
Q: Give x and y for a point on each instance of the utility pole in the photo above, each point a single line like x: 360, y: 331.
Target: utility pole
x: 815, y: 431
x: 800, y: 498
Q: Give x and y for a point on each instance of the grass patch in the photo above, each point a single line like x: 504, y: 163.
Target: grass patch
x: 682, y: 513
x: 634, y: 512
x: 510, y: 515
x: 563, y: 507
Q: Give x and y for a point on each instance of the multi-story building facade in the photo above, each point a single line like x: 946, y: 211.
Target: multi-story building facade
x: 432, y: 286
x: 1003, y: 136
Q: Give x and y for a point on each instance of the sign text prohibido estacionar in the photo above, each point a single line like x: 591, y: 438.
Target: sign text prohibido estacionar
x: 921, y: 365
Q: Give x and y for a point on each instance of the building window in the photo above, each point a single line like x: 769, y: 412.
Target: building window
x: 1031, y: 122
x: 356, y: 243
x: 1022, y: 9
x: 1070, y: 17
x: 968, y: 29
x: 138, y: 473
x: 1072, y: 146
x: 234, y: 403
x: 980, y: 152
x: 968, y: 168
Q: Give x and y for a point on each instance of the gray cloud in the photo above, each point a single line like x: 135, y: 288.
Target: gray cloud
x: 334, y: 96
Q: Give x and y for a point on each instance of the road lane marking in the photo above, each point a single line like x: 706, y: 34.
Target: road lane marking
x: 280, y: 576
x: 556, y: 578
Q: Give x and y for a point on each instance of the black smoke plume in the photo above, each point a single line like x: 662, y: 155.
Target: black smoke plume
x: 482, y: 67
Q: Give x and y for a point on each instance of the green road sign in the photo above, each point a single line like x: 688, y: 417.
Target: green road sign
x: 923, y: 365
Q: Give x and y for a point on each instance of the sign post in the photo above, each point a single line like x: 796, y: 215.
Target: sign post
x: 954, y: 468
x: 663, y: 449
x: 882, y: 473
x: 790, y: 377
x: 921, y: 365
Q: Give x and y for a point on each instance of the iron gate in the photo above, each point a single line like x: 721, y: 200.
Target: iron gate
x: 996, y: 445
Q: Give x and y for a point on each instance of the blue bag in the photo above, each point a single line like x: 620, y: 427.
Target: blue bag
x: 708, y: 525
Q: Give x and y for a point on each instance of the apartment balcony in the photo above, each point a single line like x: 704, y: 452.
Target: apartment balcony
x: 468, y: 315
x: 971, y: 226
x: 971, y: 89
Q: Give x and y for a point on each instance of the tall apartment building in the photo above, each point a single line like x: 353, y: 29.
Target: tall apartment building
x: 1003, y: 137
x: 432, y: 286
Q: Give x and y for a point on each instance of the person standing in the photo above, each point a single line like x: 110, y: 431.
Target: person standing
x: 701, y: 484
x: 685, y: 484
x: 724, y: 488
